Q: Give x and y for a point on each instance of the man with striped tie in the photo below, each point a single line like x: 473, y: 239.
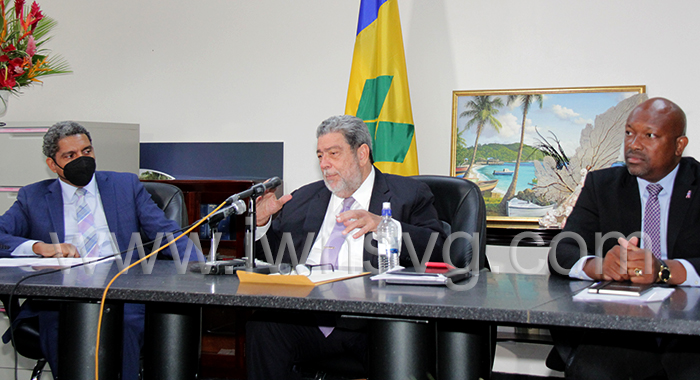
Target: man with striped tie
x: 82, y: 208
x: 654, y: 196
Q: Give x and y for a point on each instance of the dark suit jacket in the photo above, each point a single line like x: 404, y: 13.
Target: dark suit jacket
x: 610, y: 201
x: 411, y: 204
x: 128, y: 207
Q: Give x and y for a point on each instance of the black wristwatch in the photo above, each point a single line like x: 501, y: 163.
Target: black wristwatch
x: 664, y: 273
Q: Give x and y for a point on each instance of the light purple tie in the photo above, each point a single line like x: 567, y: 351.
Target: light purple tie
x: 336, y: 239
x: 86, y: 224
x: 332, y: 249
x: 652, y: 221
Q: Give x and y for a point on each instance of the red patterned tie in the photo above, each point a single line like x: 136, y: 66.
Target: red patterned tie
x: 652, y: 221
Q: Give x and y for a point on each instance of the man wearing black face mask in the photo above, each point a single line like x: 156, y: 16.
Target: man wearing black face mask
x: 82, y: 208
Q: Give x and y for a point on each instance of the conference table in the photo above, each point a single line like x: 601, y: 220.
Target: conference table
x: 459, y: 318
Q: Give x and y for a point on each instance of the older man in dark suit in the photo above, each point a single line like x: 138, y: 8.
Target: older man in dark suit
x: 656, y: 197
x: 349, y: 199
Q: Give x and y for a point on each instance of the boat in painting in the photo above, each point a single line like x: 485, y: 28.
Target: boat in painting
x: 485, y: 186
x: 519, y: 207
x: 504, y: 171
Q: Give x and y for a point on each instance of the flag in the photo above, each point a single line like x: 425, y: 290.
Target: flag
x: 378, y: 90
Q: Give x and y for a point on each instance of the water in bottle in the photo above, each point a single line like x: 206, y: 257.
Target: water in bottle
x: 387, y: 240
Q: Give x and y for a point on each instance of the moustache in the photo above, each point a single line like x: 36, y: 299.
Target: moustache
x: 632, y: 154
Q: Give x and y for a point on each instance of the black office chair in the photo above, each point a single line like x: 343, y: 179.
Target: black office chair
x: 168, y: 198
x: 26, y: 336
x: 460, y: 207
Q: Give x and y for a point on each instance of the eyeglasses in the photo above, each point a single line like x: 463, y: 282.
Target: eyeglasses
x: 302, y: 269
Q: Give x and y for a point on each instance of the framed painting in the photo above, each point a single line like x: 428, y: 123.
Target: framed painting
x: 529, y: 149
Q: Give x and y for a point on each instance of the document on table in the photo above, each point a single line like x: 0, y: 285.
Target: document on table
x: 63, y: 262
x: 295, y: 279
x: 409, y: 276
x: 656, y: 294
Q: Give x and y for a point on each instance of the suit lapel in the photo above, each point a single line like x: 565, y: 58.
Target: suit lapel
x: 108, y: 198
x: 54, y: 201
x: 681, y: 200
x: 631, y: 205
x: 317, y: 211
x: 380, y: 193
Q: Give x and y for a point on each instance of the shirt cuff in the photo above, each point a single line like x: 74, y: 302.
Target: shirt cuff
x: 25, y: 249
x: 577, y: 270
x: 691, y: 278
x: 262, y: 230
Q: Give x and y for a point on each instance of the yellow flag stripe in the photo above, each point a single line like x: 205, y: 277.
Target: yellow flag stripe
x: 379, y: 52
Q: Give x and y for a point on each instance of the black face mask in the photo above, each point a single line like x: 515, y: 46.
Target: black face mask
x: 79, y: 171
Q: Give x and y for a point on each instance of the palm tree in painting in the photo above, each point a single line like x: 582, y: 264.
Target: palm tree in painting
x: 525, y: 101
x: 482, y: 111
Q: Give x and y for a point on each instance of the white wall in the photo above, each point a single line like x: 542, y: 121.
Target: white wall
x: 271, y: 70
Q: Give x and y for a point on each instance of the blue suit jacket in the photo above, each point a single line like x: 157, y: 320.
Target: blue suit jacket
x: 128, y: 207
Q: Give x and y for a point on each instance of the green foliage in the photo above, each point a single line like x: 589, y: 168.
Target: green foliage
x: 461, y: 153
x: 492, y: 204
x: 503, y: 152
x: 24, y: 58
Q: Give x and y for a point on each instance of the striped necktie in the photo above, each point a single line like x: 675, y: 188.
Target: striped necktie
x: 652, y: 221
x: 86, y: 224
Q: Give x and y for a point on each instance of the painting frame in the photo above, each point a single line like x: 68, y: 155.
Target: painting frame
x: 460, y: 96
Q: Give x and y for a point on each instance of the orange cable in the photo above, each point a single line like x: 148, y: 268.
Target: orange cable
x: 104, y: 294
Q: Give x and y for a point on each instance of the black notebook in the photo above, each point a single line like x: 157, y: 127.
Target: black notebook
x: 619, y: 288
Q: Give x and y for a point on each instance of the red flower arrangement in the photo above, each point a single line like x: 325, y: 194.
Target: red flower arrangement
x: 22, y: 61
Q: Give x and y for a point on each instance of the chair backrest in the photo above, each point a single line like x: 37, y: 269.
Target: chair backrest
x: 460, y: 207
x: 170, y: 199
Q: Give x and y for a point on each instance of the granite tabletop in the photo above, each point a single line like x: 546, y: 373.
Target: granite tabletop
x: 512, y: 299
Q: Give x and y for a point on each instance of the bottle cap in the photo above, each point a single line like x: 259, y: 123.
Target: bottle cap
x: 386, y: 209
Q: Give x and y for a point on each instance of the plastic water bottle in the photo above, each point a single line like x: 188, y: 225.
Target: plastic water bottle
x: 387, y: 240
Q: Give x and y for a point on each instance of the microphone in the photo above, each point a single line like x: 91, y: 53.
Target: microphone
x: 256, y: 189
x: 237, y: 207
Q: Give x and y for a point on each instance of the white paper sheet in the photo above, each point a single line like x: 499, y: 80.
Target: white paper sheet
x: 63, y: 262
x: 654, y: 295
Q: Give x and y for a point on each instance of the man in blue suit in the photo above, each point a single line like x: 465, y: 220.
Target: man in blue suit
x: 81, y: 209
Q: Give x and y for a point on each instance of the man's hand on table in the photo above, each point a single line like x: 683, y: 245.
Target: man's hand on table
x: 627, y: 262
x: 55, y: 250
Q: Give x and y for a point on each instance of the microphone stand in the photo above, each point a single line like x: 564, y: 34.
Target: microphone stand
x: 212, y: 266
x: 212, y: 250
x: 249, y: 240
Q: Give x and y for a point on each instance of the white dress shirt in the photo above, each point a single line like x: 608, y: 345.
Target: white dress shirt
x: 351, y: 253
x: 664, y: 196
x: 70, y: 221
